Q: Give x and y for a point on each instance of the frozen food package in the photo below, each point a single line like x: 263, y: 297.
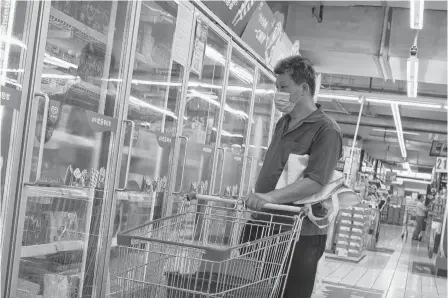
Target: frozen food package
x: 26, y: 289
x: 63, y: 226
x: 35, y: 228
x: 61, y: 285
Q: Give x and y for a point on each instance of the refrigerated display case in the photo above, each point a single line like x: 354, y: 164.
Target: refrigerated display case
x: 71, y: 132
x: 131, y: 105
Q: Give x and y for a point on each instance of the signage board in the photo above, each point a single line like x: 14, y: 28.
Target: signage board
x: 438, y: 148
x: 441, y: 165
x: 235, y: 14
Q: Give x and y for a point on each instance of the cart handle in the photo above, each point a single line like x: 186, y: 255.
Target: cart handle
x: 278, y: 207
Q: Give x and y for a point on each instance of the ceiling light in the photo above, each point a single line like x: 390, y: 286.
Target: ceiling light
x: 417, y: 8
x: 412, y: 76
x: 394, y: 131
x: 397, y: 120
x: 383, y: 101
x: 405, y: 103
x: 342, y: 97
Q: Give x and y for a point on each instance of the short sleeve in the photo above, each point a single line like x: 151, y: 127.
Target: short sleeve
x: 325, y: 152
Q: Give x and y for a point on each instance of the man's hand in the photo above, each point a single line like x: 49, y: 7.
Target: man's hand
x: 256, y: 201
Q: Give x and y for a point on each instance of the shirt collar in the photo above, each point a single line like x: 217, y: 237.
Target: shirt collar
x: 313, y: 117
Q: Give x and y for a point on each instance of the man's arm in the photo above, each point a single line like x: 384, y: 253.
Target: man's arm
x: 324, y: 155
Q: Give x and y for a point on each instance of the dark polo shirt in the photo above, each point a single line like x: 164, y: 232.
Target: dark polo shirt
x: 318, y: 136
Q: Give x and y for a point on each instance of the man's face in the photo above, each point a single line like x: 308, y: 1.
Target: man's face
x: 285, y: 83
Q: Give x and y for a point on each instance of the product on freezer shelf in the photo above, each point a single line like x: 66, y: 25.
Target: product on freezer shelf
x: 69, y: 8
x: 63, y: 226
x: 27, y: 289
x: 95, y: 14
x: 35, y: 228
x: 61, y: 285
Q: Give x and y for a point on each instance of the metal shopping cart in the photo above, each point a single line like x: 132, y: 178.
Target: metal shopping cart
x: 199, y: 253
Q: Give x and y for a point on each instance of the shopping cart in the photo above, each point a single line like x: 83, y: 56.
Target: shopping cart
x: 199, y: 252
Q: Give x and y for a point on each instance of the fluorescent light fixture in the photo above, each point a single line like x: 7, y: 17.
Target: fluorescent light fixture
x: 342, y: 97
x: 412, y: 180
x: 412, y: 76
x: 394, y: 131
x: 397, y: 120
x: 140, y: 103
x: 58, y: 62
x: 383, y: 101
x: 417, y: 9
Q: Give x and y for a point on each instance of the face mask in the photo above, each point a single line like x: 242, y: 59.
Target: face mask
x: 282, y: 102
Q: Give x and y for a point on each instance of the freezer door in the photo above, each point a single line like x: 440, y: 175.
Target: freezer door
x: 68, y: 164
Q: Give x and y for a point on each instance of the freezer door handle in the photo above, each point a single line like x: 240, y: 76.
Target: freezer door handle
x: 183, y: 165
x: 42, y: 135
x: 222, y: 169
x: 128, y: 161
x: 251, y: 160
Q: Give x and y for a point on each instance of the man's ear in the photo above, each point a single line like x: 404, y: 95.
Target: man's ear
x: 306, y: 88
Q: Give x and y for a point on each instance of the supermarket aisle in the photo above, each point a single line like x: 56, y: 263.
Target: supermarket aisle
x: 397, y: 270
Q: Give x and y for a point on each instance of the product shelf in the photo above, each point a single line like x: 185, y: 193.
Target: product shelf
x: 60, y: 192
x: 61, y: 20
x: 51, y: 248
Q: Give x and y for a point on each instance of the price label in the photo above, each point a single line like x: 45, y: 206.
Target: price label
x: 441, y: 165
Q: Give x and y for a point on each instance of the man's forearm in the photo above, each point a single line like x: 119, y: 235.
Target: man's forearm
x: 296, y: 191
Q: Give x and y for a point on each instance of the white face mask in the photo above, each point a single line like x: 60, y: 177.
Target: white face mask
x: 282, y: 102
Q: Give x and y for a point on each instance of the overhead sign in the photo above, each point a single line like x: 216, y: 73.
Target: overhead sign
x: 235, y: 14
x: 438, y: 148
x: 441, y: 165
x: 263, y: 32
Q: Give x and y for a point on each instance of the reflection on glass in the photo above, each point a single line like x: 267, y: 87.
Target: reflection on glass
x: 201, y: 117
x: 13, y: 51
x: 151, y: 124
x: 235, y: 125
x: 62, y: 216
x: 259, y: 136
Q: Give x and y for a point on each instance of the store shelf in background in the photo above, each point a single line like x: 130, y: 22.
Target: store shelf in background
x: 60, y: 19
x: 51, y: 248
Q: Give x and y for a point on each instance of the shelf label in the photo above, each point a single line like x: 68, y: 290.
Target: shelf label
x: 184, y: 28
x: 199, y: 47
x: 10, y: 97
x: 164, y: 140
x: 441, y: 165
x: 207, y: 150
x: 101, y: 123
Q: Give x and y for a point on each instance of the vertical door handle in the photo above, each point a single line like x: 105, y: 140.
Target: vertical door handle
x: 183, y: 165
x: 222, y: 170
x: 42, y: 135
x: 128, y: 161
x: 251, y: 159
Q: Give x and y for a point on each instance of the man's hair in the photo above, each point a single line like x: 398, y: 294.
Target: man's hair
x: 301, y: 70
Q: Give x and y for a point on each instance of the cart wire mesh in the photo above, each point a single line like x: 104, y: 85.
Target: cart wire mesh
x: 211, y: 248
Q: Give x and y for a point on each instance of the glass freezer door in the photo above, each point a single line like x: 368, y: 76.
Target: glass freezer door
x: 264, y: 113
x: 152, y: 114
x: 71, y: 133
x: 17, y: 31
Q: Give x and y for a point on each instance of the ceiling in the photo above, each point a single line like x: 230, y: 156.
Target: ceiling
x: 361, y: 48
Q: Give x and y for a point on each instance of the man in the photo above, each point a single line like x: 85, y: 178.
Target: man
x: 303, y: 130
x: 421, y: 216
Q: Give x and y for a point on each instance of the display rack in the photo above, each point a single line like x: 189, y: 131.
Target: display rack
x: 350, y: 233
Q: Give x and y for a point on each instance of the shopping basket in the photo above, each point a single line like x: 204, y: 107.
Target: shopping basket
x: 200, y: 252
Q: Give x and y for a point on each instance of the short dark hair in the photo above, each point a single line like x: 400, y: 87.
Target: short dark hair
x: 301, y: 70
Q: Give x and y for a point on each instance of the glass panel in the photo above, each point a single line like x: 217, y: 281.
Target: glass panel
x: 152, y: 114
x: 235, y: 124
x: 72, y: 138
x: 259, y: 136
x: 202, y: 115
x: 13, y: 51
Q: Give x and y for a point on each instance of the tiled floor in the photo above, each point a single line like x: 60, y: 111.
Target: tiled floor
x: 402, y: 270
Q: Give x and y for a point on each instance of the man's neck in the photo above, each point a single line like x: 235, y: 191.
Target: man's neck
x: 302, y: 110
